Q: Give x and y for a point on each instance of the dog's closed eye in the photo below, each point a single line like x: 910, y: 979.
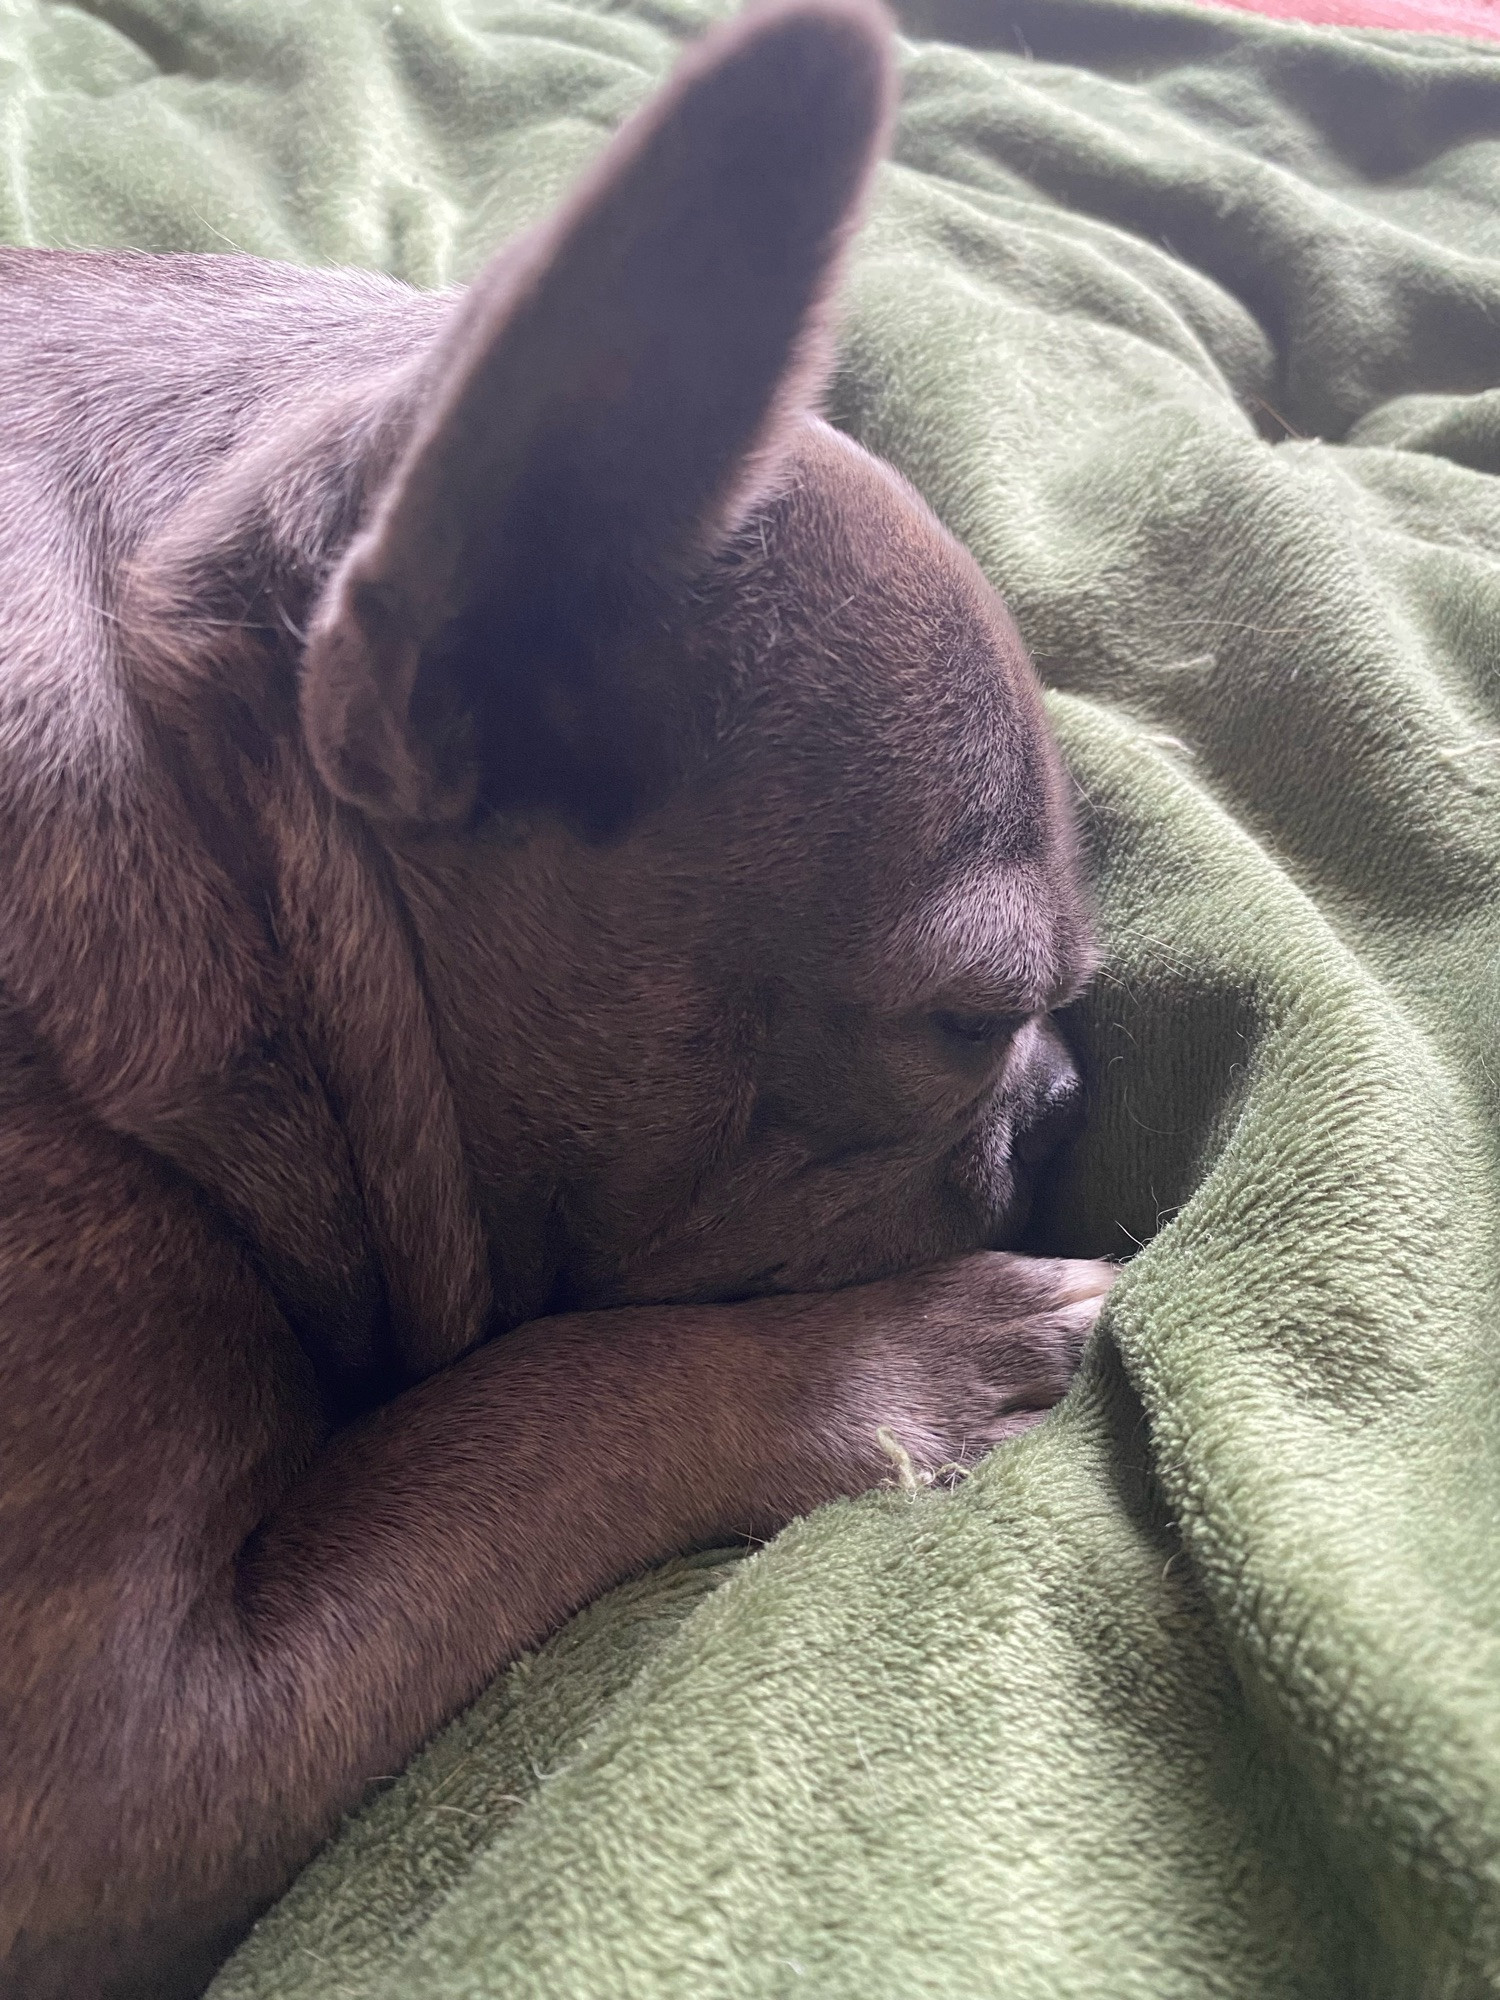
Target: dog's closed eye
x: 973, y: 1030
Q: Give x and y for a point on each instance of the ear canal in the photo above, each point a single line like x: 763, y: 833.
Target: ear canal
x: 603, y: 405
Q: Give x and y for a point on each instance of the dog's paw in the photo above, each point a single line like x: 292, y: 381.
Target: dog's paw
x: 990, y: 1344
x: 905, y: 1382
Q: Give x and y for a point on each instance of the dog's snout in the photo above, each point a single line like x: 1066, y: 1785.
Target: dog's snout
x: 1059, y: 1108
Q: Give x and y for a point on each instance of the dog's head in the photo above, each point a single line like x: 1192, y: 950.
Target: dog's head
x: 711, y: 768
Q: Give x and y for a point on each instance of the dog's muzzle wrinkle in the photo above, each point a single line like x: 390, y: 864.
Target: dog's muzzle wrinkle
x: 1059, y: 1120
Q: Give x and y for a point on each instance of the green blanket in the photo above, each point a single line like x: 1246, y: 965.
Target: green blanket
x: 1189, y: 323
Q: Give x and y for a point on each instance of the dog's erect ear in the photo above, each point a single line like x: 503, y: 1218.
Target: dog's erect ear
x: 601, y: 408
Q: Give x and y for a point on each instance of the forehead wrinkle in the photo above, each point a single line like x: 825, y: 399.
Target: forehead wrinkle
x: 991, y: 939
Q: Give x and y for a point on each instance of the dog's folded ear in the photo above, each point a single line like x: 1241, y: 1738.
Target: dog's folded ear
x: 604, y: 405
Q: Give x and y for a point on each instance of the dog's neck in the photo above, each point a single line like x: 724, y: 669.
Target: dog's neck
x: 401, y: 1277
x: 209, y: 948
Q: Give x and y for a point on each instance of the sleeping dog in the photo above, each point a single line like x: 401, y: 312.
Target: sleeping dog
x: 536, y: 882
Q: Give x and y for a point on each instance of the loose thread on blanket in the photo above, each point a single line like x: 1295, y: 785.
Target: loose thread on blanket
x: 908, y: 1478
x: 900, y: 1457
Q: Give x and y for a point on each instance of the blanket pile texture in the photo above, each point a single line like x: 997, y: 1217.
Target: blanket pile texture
x: 1188, y: 322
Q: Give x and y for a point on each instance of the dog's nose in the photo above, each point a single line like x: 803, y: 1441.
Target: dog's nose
x: 1059, y: 1107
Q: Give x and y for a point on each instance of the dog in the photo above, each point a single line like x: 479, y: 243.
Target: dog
x: 537, y: 880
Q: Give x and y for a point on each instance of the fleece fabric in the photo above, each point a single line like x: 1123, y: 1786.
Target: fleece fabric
x: 1188, y: 322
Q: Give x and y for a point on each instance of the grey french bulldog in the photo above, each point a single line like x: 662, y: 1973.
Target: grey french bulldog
x: 538, y: 877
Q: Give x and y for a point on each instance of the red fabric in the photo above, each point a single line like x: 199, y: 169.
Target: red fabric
x: 1429, y: 17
